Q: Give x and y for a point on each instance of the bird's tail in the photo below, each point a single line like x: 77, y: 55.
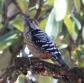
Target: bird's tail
x: 61, y: 62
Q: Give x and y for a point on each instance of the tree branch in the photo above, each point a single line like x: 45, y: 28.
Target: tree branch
x: 79, y: 38
x: 37, y: 66
x: 4, y: 15
x: 38, y: 7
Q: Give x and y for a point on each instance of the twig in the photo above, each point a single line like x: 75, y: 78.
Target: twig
x: 17, y: 48
x: 38, y: 7
x: 79, y: 38
x: 5, y: 20
x: 16, y: 4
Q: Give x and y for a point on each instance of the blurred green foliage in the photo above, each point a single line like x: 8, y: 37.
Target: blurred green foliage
x: 62, y: 20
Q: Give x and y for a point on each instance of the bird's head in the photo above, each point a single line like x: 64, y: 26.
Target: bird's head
x: 29, y: 23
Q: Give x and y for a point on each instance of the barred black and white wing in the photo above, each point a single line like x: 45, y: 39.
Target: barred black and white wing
x: 42, y: 40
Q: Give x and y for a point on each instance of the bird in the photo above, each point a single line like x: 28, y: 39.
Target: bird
x: 39, y: 43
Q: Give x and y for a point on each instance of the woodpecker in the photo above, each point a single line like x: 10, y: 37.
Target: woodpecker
x: 39, y: 43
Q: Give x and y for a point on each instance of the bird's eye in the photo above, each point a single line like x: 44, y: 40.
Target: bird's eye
x: 31, y: 21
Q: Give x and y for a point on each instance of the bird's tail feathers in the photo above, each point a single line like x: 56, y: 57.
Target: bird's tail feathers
x: 61, y: 62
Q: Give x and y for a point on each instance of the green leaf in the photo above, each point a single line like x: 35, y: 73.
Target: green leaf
x: 70, y: 27
x: 52, y: 27
x: 83, y: 1
x: 1, y: 26
x: 23, y: 4
x: 31, y: 8
x: 43, y: 79
x: 1, y: 4
x: 77, y: 22
x: 7, y: 39
x: 51, y: 2
x: 83, y: 33
x: 63, y: 46
x: 77, y: 5
x: 60, y: 7
x: 21, y: 79
x: 17, y: 23
x: 82, y: 64
x: 43, y: 24
x: 5, y: 58
x: 48, y: 3
x: 32, y: 11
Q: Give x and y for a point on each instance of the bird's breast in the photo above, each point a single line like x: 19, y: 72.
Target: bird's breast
x: 34, y: 49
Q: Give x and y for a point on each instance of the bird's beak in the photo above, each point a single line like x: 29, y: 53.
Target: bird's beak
x: 26, y: 19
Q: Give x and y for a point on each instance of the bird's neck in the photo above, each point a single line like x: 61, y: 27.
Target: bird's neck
x: 33, y: 29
